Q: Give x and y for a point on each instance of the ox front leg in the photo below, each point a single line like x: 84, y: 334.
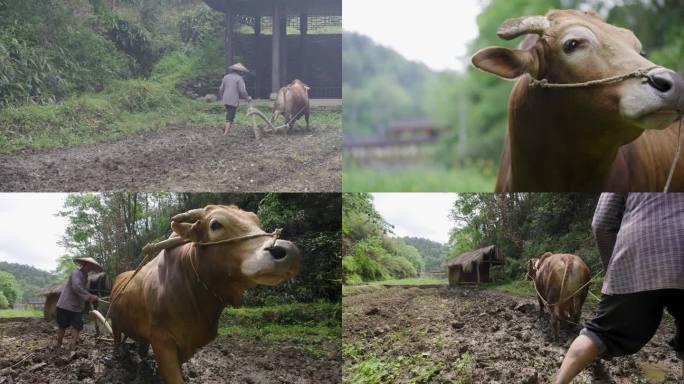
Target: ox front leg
x: 306, y: 117
x: 166, y: 355
x: 555, y: 322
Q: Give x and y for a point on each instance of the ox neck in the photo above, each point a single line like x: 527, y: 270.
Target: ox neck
x: 210, y: 296
x: 553, y: 149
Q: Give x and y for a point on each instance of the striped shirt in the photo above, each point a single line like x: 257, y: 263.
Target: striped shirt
x: 640, y: 237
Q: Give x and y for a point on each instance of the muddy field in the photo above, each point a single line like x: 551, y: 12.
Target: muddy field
x: 185, y: 159
x: 441, y: 335
x: 228, y: 359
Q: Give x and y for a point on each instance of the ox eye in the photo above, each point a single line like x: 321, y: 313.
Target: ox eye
x: 643, y: 53
x: 215, y: 225
x: 571, y: 46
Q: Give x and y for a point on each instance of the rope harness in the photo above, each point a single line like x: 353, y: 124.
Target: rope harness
x: 561, y: 300
x: 152, y: 248
x: 641, y: 73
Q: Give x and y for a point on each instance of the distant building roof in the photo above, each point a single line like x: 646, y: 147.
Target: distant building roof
x: 486, y: 254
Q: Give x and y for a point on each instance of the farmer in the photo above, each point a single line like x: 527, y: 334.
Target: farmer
x: 231, y: 91
x: 640, y: 237
x: 73, y: 298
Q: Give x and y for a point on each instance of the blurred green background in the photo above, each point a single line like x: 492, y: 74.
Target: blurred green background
x: 469, y: 109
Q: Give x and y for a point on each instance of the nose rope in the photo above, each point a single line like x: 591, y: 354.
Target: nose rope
x: 275, y: 235
x: 639, y: 73
x: 675, y: 160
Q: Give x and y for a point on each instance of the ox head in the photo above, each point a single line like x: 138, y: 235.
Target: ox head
x: 259, y: 260
x: 574, y: 47
x: 299, y: 83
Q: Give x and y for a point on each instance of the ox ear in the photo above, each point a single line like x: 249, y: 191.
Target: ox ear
x: 505, y: 62
x: 190, y: 231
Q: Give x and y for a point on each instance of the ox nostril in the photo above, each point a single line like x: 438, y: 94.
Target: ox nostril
x: 661, y: 81
x: 278, y: 252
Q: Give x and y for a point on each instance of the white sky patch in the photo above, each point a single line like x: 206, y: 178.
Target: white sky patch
x: 30, y: 229
x: 434, y: 32
x: 417, y: 214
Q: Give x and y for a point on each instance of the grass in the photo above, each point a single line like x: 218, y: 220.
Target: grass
x: 412, y: 281
x: 414, y: 179
x: 123, y: 108
x: 371, y: 286
x: 525, y: 287
x: 20, y: 313
x: 305, y: 324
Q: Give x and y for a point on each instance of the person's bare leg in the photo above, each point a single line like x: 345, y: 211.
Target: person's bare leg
x: 74, y: 337
x: 581, y: 353
x: 60, y: 336
x: 227, y: 128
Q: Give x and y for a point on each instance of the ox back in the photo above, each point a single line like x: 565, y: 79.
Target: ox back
x: 561, y: 280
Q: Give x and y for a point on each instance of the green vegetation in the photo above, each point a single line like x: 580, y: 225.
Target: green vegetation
x: 412, y: 281
x: 471, y: 106
x: 30, y: 279
x: 307, y: 324
x: 524, y: 226
x: 20, y: 313
x: 372, y: 254
x: 85, y: 72
x: 10, y: 293
x: 421, y: 178
x: 377, y: 363
x: 434, y: 253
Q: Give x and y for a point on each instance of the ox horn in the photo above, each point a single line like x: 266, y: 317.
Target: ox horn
x: 512, y: 28
x: 191, y: 215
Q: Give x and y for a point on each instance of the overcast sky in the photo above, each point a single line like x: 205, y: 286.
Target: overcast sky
x: 29, y: 229
x: 434, y: 32
x: 417, y: 214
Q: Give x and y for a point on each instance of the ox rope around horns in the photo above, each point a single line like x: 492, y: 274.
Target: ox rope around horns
x: 153, y: 248
x: 639, y: 73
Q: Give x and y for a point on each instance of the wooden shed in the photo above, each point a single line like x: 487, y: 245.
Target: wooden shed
x: 473, y: 267
x: 280, y: 40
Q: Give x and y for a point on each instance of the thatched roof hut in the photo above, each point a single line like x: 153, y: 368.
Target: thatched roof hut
x: 472, y: 267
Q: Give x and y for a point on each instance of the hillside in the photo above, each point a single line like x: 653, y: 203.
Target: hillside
x: 434, y: 253
x: 30, y: 279
x: 379, y: 85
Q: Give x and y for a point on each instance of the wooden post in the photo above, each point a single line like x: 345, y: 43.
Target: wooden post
x: 275, y: 49
x: 283, y: 49
x: 228, y: 38
x: 257, y: 38
x: 303, y: 31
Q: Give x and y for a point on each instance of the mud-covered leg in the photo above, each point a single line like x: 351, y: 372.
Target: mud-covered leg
x: 143, y: 349
x: 306, y: 117
x: 166, y: 355
x: 541, y: 307
x: 555, y: 322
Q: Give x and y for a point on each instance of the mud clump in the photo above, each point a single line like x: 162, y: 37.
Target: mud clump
x: 444, y: 335
x: 29, y: 357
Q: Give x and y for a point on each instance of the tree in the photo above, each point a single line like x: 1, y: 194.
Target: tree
x: 10, y: 288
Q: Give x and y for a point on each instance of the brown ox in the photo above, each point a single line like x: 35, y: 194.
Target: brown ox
x: 562, y: 281
x: 175, y: 301
x: 608, y: 137
x: 292, y: 101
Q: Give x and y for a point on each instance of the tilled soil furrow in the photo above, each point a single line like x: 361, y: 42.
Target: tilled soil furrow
x: 446, y: 335
x: 184, y: 159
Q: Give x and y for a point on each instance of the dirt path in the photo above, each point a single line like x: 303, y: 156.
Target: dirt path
x: 458, y: 336
x: 228, y: 359
x: 184, y: 159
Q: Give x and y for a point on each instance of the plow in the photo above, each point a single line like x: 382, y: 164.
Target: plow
x: 259, y: 132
